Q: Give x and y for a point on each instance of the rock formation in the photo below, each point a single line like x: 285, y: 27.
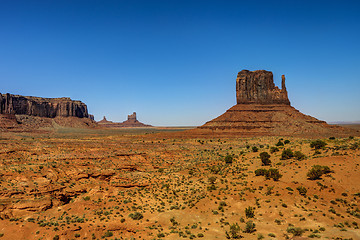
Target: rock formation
x: 258, y: 87
x: 104, y: 121
x: 21, y: 113
x: 264, y: 109
x: 42, y: 107
x: 130, y: 122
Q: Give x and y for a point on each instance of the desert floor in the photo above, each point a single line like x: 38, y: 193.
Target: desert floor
x: 162, y: 184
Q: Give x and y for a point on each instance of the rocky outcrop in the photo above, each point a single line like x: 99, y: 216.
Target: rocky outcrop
x: 42, y: 107
x: 264, y: 109
x: 258, y: 87
x: 130, y: 122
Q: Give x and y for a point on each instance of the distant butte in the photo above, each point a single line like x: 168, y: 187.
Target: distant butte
x: 264, y: 109
x: 130, y: 122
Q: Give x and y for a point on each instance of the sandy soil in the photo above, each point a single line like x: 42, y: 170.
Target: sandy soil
x: 167, y: 184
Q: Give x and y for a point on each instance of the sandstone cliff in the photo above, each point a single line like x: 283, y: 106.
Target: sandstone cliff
x: 258, y: 87
x: 42, y: 107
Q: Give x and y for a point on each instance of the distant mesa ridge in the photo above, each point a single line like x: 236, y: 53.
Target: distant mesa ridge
x: 264, y: 109
x: 42, y: 107
x: 130, y: 122
x: 23, y: 113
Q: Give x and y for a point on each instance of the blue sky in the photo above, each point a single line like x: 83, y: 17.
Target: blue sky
x: 175, y: 62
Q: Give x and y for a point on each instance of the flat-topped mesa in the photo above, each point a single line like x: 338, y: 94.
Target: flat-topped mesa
x: 42, y: 107
x: 259, y: 87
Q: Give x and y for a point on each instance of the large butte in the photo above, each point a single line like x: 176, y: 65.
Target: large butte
x: 264, y: 109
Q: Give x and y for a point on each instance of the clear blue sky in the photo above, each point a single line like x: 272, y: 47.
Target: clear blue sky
x: 175, y: 62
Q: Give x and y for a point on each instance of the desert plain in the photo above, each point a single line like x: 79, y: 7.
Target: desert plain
x: 170, y: 183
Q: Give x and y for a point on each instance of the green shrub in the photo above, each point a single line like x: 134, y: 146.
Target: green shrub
x: 271, y: 235
x: 228, y: 159
x: 302, y: 190
x: 279, y: 143
x: 250, y: 227
x: 317, y: 171
x: 212, y: 180
x: 260, y: 172
x: 271, y: 173
x: 265, y: 158
x: 299, y: 155
x: 255, y: 149
x: 233, y: 232
x: 161, y: 235
x: 136, y: 216
x: 274, y: 174
x: 287, y: 154
x: 296, y: 231
x: 286, y: 141
x: 87, y: 198
x: 108, y: 234
x: 318, y: 144
x: 274, y: 149
x: 250, y: 212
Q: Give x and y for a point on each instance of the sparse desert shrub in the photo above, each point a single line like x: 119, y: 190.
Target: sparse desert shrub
x: 250, y: 212
x: 296, y: 231
x: 250, y: 227
x: 302, y: 190
x: 271, y: 173
x: 87, y: 198
x: 56, y: 237
x: 299, y: 155
x: 233, y: 232
x: 332, y: 138
x: 354, y: 146
x: 317, y: 171
x: 108, y: 234
x: 279, y: 143
x: 274, y: 174
x: 260, y: 236
x: 274, y: 149
x: 260, y: 172
x: 228, y: 159
x: 254, y: 149
x: 287, y: 154
x: 318, y: 144
x: 265, y: 158
x: 136, y: 216
x: 286, y: 141
x: 161, y: 235
x: 212, y: 180
x: 215, y: 169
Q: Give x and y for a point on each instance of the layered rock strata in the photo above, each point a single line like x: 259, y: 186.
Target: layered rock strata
x: 42, y: 107
x: 21, y: 113
x: 259, y: 87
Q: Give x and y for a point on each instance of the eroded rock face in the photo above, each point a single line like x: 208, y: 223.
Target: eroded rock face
x: 42, y: 107
x: 259, y: 87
